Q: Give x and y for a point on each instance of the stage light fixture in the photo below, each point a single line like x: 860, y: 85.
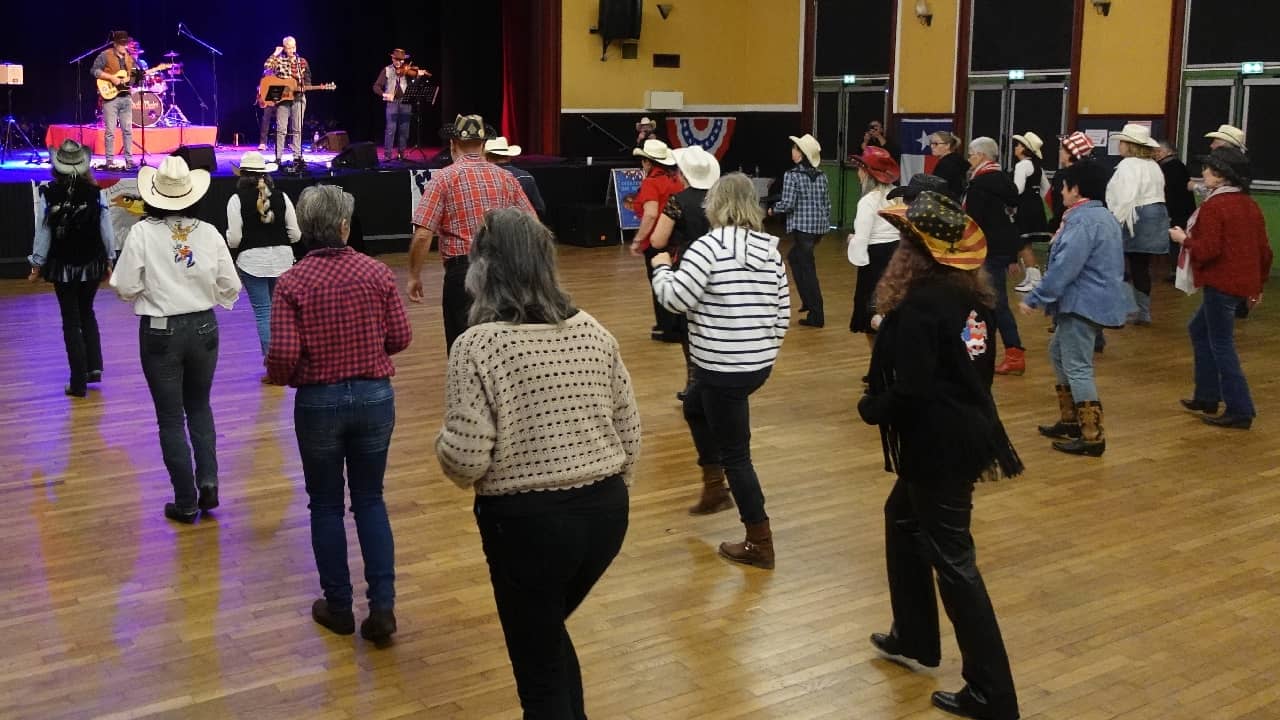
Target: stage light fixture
x: 923, y: 13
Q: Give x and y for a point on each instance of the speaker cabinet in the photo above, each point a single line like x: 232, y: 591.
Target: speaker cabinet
x: 586, y: 225
x: 358, y: 156
x: 334, y: 140
x: 619, y: 20
x: 198, y: 157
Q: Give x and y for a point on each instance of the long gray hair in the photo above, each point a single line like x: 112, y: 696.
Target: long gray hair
x: 513, y: 276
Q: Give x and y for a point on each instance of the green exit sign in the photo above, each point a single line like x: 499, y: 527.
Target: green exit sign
x: 850, y: 79
x: 1017, y: 74
x: 1251, y: 68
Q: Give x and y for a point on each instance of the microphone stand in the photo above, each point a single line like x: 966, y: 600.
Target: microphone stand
x: 213, y: 64
x: 624, y: 147
x: 79, y: 81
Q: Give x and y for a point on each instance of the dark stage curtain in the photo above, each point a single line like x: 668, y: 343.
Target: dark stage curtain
x: 531, y: 74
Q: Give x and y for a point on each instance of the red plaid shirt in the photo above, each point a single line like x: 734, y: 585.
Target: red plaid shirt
x: 336, y: 315
x: 456, y: 198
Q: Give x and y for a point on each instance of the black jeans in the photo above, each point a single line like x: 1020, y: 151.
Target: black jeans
x: 80, y: 329
x: 178, y: 361
x: 664, y: 320
x: 454, y: 301
x: 926, y: 531
x: 804, y: 272
x: 545, y: 551
x: 719, y: 416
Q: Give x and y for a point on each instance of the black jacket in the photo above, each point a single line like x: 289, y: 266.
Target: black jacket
x: 952, y: 168
x: 1177, y: 198
x: 988, y: 200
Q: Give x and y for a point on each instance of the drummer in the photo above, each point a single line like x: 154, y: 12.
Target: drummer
x: 137, y: 52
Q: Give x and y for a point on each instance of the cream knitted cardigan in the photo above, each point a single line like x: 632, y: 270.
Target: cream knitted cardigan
x: 537, y: 407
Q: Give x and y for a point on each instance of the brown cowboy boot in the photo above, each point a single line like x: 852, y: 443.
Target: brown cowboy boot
x: 1068, y: 426
x: 715, y: 492
x: 1092, y: 440
x: 756, y: 550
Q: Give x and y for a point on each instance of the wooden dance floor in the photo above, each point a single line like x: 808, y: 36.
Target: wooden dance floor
x: 1145, y: 584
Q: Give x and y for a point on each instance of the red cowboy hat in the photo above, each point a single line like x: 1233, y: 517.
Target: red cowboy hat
x: 878, y: 163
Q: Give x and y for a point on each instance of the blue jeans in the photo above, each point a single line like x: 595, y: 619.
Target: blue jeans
x: 398, y: 117
x: 997, y: 267
x: 1218, y: 374
x: 1071, y: 352
x: 118, y: 112
x: 178, y: 361
x: 260, y: 289
x: 718, y: 412
x: 348, y: 423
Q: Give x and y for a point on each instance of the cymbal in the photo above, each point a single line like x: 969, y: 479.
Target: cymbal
x: 172, y: 54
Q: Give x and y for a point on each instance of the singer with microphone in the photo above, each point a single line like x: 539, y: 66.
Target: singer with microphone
x: 285, y: 62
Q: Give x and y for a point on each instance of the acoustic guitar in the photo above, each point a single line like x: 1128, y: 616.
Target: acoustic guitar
x: 110, y: 90
x: 288, y: 86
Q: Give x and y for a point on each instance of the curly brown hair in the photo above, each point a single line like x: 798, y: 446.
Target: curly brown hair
x: 912, y: 265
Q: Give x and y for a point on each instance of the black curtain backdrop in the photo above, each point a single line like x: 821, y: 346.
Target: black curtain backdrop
x: 459, y: 42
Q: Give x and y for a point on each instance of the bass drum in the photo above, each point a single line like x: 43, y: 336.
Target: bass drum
x: 148, y: 108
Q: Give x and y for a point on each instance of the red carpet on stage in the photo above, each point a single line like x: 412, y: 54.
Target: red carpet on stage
x: 159, y: 139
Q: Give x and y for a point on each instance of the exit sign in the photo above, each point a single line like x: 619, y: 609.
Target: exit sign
x: 1250, y: 68
x: 852, y: 79
x: 1017, y: 74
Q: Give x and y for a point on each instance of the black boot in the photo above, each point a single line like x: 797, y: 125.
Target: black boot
x: 340, y: 622
x: 379, y: 626
x: 970, y: 704
x: 1068, y: 425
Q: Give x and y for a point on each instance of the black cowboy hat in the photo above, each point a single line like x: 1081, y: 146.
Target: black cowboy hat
x: 918, y: 184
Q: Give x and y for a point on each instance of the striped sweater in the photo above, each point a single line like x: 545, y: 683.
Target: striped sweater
x: 732, y: 286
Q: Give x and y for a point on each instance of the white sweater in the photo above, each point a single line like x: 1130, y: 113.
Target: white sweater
x: 869, y: 228
x: 1135, y: 183
x: 175, y: 266
x: 732, y: 286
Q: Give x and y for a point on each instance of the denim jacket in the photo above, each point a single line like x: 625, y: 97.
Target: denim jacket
x: 1086, y: 268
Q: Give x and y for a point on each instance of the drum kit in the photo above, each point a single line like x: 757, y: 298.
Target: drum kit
x: 155, y: 104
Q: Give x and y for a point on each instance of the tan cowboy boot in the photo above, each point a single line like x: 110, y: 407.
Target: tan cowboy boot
x: 756, y: 550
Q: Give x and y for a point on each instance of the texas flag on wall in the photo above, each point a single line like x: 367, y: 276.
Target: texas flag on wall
x: 712, y: 133
x: 913, y: 139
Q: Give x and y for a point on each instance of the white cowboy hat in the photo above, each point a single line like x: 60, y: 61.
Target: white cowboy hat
x: 498, y: 146
x: 655, y: 150
x: 1229, y: 134
x: 253, y: 161
x: 1032, y: 142
x: 1138, y: 135
x: 172, y: 186
x: 646, y: 121
x: 699, y: 167
x: 809, y: 147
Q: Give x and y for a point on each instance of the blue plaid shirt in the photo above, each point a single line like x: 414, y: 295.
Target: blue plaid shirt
x: 805, y: 202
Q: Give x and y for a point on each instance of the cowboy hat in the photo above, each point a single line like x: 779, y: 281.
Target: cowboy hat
x: 878, y: 163
x: 646, y: 122
x: 1138, y: 135
x: 172, y: 186
x: 467, y: 128
x: 71, y: 158
x: 1229, y: 134
x: 1077, y: 144
x: 919, y: 183
x: 655, y: 150
x: 254, y: 162
x: 809, y: 147
x: 699, y: 167
x: 1032, y: 142
x: 400, y: 54
x: 498, y: 146
x: 940, y: 224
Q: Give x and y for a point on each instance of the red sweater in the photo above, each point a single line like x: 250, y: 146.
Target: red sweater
x: 1228, y: 246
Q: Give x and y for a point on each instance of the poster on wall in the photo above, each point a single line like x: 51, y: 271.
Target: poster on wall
x: 713, y: 133
x: 121, y: 198
x: 624, y: 183
x: 913, y: 139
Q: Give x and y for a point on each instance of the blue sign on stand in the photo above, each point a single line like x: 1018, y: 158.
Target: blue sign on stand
x: 624, y: 184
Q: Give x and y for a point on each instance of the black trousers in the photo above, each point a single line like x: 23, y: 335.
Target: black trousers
x: 804, y: 272
x: 926, y: 532
x: 664, y: 320
x: 545, y: 552
x: 454, y: 301
x: 80, y: 329
x: 717, y: 408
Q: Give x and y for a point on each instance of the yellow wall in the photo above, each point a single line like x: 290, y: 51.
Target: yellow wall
x: 925, y: 64
x: 1124, y: 59
x: 732, y: 53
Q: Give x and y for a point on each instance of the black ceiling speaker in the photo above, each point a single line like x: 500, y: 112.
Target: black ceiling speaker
x: 619, y: 20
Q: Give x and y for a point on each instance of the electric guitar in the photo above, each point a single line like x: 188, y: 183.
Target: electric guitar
x: 110, y: 90
x: 288, y: 87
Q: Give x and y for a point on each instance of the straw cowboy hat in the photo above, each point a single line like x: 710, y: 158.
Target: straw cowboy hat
x: 1032, y: 142
x: 878, y: 163
x: 646, y: 123
x: 498, y: 146
x: 1078, y: 144
x: 172, y: 186
x: 70, y: 158
x: 809, y: 147
x: 657, y: 151
x: 1138, y: 135
x: 699, y: 167
x: 1229, y: 134
x: 254, y: 162
x: 937, y: 221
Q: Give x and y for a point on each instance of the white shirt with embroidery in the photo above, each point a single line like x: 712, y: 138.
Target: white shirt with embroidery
x: 175, y: 266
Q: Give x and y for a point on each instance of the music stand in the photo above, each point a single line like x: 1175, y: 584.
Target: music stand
x: 420, y: 91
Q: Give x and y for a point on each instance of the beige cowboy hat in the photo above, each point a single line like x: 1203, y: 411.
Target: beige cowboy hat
x: 1137, y: 134
x: 173, y: 185
x: 498, y: 146
x: 254, y: 162
x: 700, y: 168
x: 646, y: 122
x: 657, y: 151
x: 1032, y: 142
x: 809, y: 147
x: 1229, y: 134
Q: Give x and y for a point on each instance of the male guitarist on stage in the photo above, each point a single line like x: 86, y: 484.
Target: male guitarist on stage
x: 108, y: 67
x: 285, y: 62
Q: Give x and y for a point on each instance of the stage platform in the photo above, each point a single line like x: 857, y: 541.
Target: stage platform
x: 155, y: 140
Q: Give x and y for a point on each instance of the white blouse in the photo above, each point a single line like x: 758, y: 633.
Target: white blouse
x: 869, y: 228
x: 175, y: 266
x: 262, y: 261
x: 1135, y: 183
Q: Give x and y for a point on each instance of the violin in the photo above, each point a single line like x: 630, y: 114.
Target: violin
x: 411, y: 70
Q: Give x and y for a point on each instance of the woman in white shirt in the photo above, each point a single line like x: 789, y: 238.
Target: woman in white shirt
x: 1028, y: 177
x: 174, y: 269
x: 261, y: 224
x: 874, y: 239
x: 1135, y: 196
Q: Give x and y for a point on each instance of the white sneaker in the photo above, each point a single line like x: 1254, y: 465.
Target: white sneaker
x: 1030, y: 280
